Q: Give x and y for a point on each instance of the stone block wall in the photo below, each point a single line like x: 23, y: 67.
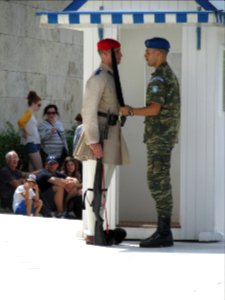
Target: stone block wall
x: 49, y: 61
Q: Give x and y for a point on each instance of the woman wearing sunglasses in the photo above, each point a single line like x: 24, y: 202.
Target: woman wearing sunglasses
x: 30, y: 135
x: 52, y: 133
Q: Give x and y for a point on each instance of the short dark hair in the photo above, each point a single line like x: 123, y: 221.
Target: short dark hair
x: 50, y: 106
x: 163, y: 51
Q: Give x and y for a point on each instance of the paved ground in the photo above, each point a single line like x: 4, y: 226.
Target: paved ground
x: 44, y: 258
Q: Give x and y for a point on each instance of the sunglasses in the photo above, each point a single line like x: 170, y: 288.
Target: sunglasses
x: 51, y: 113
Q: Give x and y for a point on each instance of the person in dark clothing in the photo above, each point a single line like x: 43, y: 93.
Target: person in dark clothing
x: 10, y: 179
x: 54, y: 186
x: 73, y: 200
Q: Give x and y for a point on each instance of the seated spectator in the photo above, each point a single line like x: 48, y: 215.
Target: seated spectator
x: 54, y: 186
x: 73, y: 200
x: 10, y: 179
x: 26, y: 198
x: 71, y: 168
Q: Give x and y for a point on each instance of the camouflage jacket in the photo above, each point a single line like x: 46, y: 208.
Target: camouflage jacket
x: 163, y: 88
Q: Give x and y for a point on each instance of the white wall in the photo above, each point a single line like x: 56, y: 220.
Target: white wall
x: 136, y: 203
x: 34, y: 58
x: 202, y: 125
x: 220, y: 139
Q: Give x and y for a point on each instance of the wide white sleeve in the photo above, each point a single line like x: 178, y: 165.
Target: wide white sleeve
x: 92, y: 97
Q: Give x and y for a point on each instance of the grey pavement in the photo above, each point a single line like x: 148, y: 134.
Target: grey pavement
x: 43, y: 258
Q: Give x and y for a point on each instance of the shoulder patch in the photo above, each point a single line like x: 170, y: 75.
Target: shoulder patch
x: 155, y: 89
x: 98, y: 72
x: 157, y: 78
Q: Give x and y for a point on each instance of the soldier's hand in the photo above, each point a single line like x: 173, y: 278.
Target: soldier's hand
x: 124, y: 111
x: 97, y: 150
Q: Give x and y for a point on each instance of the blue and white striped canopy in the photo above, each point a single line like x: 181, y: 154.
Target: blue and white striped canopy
x: 89, y: 18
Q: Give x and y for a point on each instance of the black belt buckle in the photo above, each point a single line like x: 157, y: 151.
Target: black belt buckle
x: 112, y: 119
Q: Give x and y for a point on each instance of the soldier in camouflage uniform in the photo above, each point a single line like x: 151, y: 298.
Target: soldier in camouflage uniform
x: 162, y: 120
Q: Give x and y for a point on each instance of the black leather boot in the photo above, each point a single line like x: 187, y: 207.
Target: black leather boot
x: 115, y: 236
x: 162, y: 237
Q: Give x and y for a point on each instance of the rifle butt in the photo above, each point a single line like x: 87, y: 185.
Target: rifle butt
x: 100, y: 238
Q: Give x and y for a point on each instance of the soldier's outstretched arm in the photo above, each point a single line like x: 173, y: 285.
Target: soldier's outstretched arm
x: 151, y: 110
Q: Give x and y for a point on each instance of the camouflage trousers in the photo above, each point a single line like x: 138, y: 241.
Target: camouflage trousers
x: 158, y: 176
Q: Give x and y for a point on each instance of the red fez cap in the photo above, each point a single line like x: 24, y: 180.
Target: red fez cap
x: 108, y: 44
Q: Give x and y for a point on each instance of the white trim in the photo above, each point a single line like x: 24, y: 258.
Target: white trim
x: 149, y: 19
x: 44, y: 19
x: 212, y: 18
x: 171, y: 18
x: 192, y: 18
x: 85, y: 19
x: 119, y: 18
x: 63, y: 19
x: 106, y: 19
x: 127, y: 19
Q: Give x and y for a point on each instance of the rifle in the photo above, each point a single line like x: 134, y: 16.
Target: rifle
x: 100, y: 237
x: 118, y: 86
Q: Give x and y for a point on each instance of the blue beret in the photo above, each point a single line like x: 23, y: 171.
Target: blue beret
x: 157, y: 43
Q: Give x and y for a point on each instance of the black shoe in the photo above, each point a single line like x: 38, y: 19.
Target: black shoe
x: 60, y: 215
x: 119, y: 235
x: 115, y: 236
x: 157, y: 240
x: 70, y: 215
x: 109, y: 237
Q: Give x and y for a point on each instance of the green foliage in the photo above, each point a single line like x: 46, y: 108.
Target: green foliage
x: 10, y: 140
x: 69, y: 138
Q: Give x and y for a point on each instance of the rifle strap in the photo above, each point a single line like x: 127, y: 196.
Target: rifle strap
x: 118, y: 87
x: 104, y: 201
x: 104, y: 190
x: 117, y: 80
x: 91, y: 190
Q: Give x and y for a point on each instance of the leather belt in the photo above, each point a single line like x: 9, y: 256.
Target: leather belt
x: 112, y: 118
